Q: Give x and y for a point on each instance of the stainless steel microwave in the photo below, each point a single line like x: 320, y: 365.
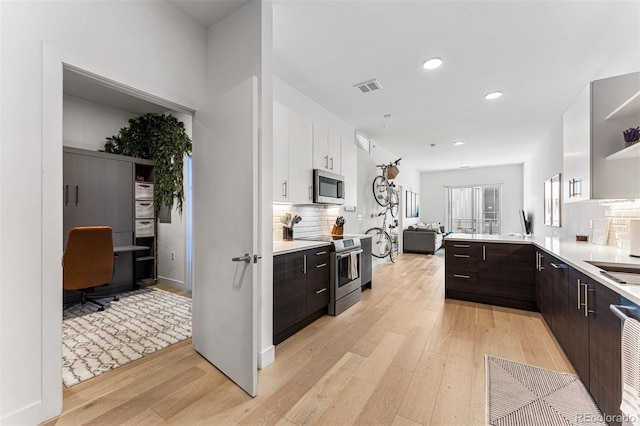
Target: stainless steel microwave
x: 328, y: 188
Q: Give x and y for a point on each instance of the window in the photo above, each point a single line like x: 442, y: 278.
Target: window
x: 474, y: 209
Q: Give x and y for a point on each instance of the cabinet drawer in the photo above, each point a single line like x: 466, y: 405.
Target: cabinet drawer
x: 144, y: 209
x: 461, y: 261
x: 145, y: 228
x: 144, y: 191
x: 317, y: 299
x: 316, y: 258
x: 462, y: 281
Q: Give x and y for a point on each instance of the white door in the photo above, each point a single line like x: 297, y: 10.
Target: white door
x: 225, y: 226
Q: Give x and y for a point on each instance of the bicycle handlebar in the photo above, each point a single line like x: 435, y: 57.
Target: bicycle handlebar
x: 384, y: 166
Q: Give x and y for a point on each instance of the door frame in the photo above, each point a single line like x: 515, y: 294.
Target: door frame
x: 55, y: 61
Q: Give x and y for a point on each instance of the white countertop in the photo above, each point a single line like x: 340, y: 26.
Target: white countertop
x: 284, y: 247
x: 573, y: 253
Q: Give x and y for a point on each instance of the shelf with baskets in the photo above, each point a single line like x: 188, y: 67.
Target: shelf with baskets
x: 145, y: 225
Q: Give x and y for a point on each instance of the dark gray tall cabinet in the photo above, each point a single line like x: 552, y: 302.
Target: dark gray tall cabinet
x: 98, y: 189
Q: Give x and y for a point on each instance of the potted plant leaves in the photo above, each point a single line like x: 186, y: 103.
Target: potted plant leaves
x: 631, y: 136
x: 160, y: 137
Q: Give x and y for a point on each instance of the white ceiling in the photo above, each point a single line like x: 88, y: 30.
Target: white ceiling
x: 539, y: 53
x: 208, y: 12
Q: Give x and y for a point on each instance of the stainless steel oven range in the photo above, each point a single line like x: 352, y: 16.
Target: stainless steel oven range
x: 346, y: 259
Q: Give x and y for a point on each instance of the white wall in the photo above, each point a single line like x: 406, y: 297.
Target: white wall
x: 546, y: 159
x: 147, y: 45
x: 433, y: 199
x: 86, y: 124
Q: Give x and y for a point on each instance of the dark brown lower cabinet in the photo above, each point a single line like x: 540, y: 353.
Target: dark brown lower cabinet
x: 588, y: 332
x: 493, y: 273
x: 300, y: 290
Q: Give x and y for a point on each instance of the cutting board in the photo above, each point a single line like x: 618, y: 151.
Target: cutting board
x: 600, y: 232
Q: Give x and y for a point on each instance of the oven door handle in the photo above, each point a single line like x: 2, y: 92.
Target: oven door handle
x: 342, y: 256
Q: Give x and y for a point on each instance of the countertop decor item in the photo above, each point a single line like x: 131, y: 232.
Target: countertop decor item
x: 582, y: 237
x: 631, y: 136
x: 162, y: 138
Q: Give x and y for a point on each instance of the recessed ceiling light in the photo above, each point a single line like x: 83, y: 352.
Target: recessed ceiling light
x: 493, y: 95
x: 464, y: 165
x: 432, y: 145
x: 458, y: 143
x: 432, y: 63
x: 387, y: 116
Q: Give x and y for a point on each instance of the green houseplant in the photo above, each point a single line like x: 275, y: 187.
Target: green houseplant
x: 162, y: 138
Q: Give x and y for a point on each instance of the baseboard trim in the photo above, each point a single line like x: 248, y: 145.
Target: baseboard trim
x: 179, y: 285
x: 266, y: 357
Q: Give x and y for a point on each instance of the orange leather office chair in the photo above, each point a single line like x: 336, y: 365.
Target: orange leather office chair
x: 88, y: 261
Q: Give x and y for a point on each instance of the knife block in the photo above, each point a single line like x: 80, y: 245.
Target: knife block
x: 287, y: 233
x: 337, y: 230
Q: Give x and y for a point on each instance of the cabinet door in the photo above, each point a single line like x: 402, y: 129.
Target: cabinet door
x: 333, y: 151
x: 576, y: 141
x: 118, y: 196
x: 349, y: 164
x: 320, y: 147
x: 289, y: 291
x: 507, y: 271
x: 300, y: 159
x: 578, y: 350
x: 366, y: 262
x: 604, y: 348
x: 558, y: 276
x: 280, y: 152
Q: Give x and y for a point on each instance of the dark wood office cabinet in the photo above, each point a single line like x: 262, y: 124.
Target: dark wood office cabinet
x: 493, y: 273
x: 579, y: 289
x: 366, y: 266
x: 300, y: 290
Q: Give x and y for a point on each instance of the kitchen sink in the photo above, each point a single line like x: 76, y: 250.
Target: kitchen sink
x: 622, y: 273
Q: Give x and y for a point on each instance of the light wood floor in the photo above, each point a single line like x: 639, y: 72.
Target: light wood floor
x: 402, y: 356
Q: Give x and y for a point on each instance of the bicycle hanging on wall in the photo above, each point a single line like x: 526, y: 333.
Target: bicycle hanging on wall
x: 386, y: 194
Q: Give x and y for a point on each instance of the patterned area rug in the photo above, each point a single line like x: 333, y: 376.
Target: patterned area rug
x: 139, y: 324
x: 520, y: 394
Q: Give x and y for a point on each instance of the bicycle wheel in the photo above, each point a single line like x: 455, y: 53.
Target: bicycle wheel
x: 394, y: 202
x: 380, y: 242
x: 393, y: 254
x: 381, y: 190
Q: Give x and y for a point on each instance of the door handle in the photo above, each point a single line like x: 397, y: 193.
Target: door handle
x: 246, y: 258
x: 66, y: 195
x: 77, y: 192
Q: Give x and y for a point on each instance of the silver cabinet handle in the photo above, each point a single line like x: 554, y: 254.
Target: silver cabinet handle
x: 321, y: 291
x: 304, y: 264
x: 560, y: 266
x: 461, y: 245
x: 466, y: 277
x: 461, y: 255
x: 541, y: 257
x: 570, y: 188
x: 579, y: 285
x: 484, y: 253
x: 77, y: 194
x: 537, y: 261
x: 322, y: 265
x: 284, y: 189
x: 320, y: 253
x: 586, y: 300
x: 331, y: 163
x: 246, y: 258
x: 310, y: 192
x: 66, y: 195
x: 326, y: 162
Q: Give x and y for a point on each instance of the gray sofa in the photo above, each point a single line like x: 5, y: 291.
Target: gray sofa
x: 419, y: 239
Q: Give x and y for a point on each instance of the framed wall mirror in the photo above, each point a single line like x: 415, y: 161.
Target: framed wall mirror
x: 552, y: 201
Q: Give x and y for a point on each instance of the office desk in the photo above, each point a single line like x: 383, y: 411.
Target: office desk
x: 125, y: 249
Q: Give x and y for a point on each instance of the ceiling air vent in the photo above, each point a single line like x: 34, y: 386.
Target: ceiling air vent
x: 368, y: 86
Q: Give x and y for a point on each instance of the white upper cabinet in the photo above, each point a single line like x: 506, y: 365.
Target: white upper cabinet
x: 596, y: 164
x: 280, y: 153
x: 300, y: 159
x: 326, y: 150
x: 576, y: 128
x: 349, y: 160
x: 292, y: 153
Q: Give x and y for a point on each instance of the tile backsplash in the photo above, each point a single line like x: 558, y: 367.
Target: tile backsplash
x: 619, y: 215
x: 316, y: 219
